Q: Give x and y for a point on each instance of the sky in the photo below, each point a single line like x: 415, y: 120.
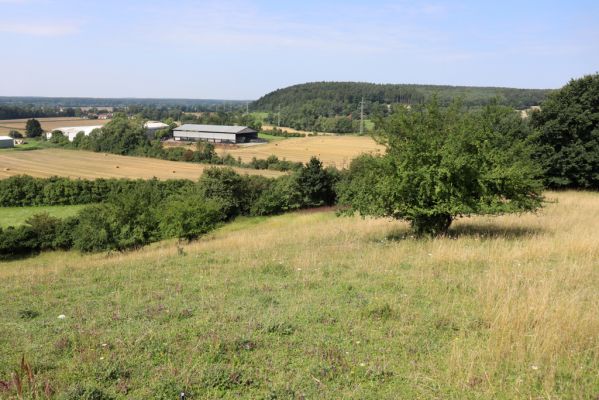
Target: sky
x: 243, y: 49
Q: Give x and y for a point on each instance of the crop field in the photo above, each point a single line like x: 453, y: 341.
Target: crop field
x: 331, y: 150
x: 48, y: 124
x: 314, y: 306
x: 15, y: 216
x: 89, y: 165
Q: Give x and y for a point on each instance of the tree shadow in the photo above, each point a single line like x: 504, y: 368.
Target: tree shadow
x: 471, y: 230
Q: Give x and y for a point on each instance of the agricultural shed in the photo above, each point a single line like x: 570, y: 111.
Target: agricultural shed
x: 72, y: 131
x: 154, y: 126
x: 214, y: 133
x: 6, y: 142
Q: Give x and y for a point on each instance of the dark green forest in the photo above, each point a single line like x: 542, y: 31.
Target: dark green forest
x: 335, y: 106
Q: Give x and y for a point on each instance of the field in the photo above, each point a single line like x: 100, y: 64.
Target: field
x: 48, y: 124
x: 15, y: 216
x: 314, y: 306
x: 89, y: 165
x: 331, y: 150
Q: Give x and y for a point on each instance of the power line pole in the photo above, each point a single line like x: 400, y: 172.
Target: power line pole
x: 279, y: 117
x: 362, y: 116
x: 247, y: 107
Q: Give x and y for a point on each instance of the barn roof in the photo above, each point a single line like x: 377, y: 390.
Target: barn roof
x: 5, y: 138
x: 214, y: 128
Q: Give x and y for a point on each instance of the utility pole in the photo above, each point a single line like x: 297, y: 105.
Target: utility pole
x: 247, y: 107
x: 279, y: 117
x: 362, y: 116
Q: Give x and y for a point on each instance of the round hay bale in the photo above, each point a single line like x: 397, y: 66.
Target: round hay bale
x: 117, y: 166
x: 7, y: 169
x: 174, y: 171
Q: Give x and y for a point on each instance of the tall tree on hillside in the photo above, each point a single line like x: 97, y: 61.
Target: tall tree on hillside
x: 33, y: 128
x: 568, y: 135
x: 442, y: 163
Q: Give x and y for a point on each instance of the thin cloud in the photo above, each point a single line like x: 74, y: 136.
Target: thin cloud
x: 37, y: 29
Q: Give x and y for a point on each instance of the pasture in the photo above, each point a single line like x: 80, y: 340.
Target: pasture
x: 48, y: 124
x: 335, y: 151
x: 310, y: 305
x: 89, y: 165
x: 15, y: 216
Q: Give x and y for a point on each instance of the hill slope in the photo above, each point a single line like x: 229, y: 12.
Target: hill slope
x: 307, y: 106
x: 308, y: 305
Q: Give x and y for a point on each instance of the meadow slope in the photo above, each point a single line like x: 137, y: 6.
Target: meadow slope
x: 90, y: 165
x: 310, y: 305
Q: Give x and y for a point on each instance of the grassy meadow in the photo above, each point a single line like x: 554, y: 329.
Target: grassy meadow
x: 15, y: 216
x: 310, y: 305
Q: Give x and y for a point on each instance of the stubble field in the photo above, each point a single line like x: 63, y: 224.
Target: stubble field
x: 335, y: 151
x: 90, y: 165
x: 48, y: 124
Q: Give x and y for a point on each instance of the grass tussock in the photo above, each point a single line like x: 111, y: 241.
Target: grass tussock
x: 315, y: 306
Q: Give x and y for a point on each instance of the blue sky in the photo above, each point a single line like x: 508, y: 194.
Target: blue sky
x: 245, y: 48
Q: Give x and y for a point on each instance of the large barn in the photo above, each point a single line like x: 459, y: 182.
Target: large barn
x: 6, y: 142
x: 214, y: 133
x: 72, y: 131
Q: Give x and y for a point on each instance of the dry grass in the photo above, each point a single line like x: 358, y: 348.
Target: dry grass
x: 331, y: 150
x: 503, y: 307
x: 48, y: 124
x: 89, y: 165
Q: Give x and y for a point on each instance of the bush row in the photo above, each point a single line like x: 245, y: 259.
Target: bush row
x: 139, y: 214
x: 28, y: 191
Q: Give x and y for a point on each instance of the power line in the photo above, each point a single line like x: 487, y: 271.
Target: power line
x: 362, y: 116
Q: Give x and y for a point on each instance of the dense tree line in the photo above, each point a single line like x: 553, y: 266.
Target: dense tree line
x: 30, y: 111
x: 138, y: 213
x: 25, y: 190
x: 335, y: 106
x: 567, y: 135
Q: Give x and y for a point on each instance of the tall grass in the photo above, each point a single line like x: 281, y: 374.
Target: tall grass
x: 316, y: 306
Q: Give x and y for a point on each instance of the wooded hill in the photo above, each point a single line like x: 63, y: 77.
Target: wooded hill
x: 335, y: 106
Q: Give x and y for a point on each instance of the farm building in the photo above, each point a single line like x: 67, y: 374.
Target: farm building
x: 214, y: 133
x: 72, y: 131
x: 6, y: 142
x: 154, y: 126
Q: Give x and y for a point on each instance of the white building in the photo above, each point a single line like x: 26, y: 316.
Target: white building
x: 6, y: 142
x: 72, y: 131
x: 214, y: 133
x: 154, y: 126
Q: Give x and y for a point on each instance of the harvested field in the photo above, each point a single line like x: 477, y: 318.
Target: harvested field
x: 48, y: 124
x: 89, y: 165
x: 336, y: 151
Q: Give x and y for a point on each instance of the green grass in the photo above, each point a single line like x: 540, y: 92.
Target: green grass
x: 31, y: 144
x: 318, y: 307
x: 270, y: 138
x: 15, y: 216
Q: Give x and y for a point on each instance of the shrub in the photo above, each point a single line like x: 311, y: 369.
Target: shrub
x: 188, y: 217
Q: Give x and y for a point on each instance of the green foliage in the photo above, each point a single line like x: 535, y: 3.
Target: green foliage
x: 443, y: 163
x: 316, y: 184
x: 335, y: 106
x: 568, y: 135
x: 189, y: 216
x: 33, y: 128
x: 15, y: 134
x: 25, y: 190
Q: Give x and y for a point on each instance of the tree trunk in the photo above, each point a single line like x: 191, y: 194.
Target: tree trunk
x: 433, y: 225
